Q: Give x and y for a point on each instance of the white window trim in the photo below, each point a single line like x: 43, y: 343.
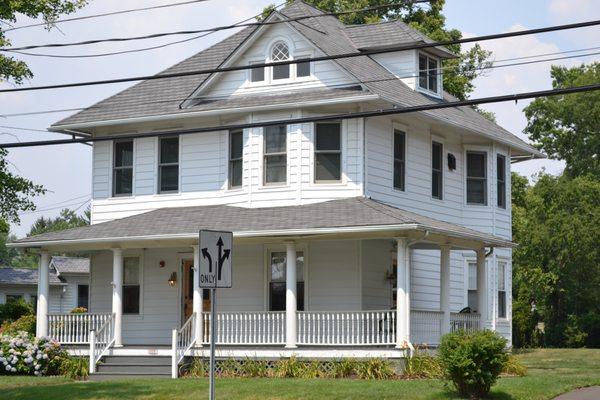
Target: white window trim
x: 489, y: 173
x: 183, y: 257
x: 265, y: 80
x: 439, y: 77
x: 286, y: 184
x: 77, y: 295
x: 506, y: 180
x: 228, y: 186
x: 270, y: 248
x: 343, y: 181
x: 468, y: 260
x: 403, y: 128
x: 157, y: 169
x: 440, y: 140
x: 507, y: 293
x: 111, y: 189
x: 292, y: 67
x: 141, y: 255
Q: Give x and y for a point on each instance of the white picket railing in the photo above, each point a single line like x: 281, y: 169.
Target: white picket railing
x: 74, y: 328
x: 264, y: 328
x: 426, y: 326
x: 467, y: 322
x: 183, y: 340
x: 101, y: 340
x: 358, y: 328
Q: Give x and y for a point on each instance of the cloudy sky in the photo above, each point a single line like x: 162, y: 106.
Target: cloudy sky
x: 66, y: 170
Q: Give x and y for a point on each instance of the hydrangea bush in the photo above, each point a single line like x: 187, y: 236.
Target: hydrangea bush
x: 22, y: 354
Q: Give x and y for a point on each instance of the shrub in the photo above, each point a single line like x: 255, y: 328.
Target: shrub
x: 345, y: 368
x: 255, y: 368
x: 423, y: 366
x: 289, y: 368
x: 79, y: 310
x: 22, y: 354
x: 375, y: 368
x: 514, y: 367
x: 473, y: 360
x: 74, y: 367
x: 198, y: 368
x: 26, y: 323
x: 14, y: 309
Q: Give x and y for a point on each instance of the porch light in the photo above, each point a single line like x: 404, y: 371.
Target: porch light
x: 172, y: 279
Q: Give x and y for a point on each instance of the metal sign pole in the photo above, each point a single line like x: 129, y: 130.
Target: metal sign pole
x: 213, y: 339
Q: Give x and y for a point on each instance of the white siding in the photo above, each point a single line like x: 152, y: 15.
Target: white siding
x: 101, y: 170
x: 376, y: 264
x: 27, y: 291
x: 248, y: 285
x: 145, y: 166
x: 403, y: 64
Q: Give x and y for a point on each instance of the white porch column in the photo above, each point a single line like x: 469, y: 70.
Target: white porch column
x: 402, y: 293
x: 290, y: 296
x: 43, y: 293
x: 117, y: 295
x: 482, y: 306
x: 197, y: 300
x: 445, y: 287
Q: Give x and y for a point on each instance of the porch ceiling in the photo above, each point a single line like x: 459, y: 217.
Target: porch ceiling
x: 344, y: 218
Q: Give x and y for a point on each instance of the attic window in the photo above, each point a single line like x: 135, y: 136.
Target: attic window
x: 280, y: 52
x: 428, y: 73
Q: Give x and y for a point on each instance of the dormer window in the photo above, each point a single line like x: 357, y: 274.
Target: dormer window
x: 280, y: 52
x: 428, y: 73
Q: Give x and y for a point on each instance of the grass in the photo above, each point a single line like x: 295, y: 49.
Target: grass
x: 551, y: 372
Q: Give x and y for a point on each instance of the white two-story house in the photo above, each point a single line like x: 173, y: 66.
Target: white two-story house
x: 352, y: 236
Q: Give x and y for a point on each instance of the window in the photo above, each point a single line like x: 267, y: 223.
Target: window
x: 501, y: 180
x: 123, y: 168
x: 437, y: 175
x: 131, y: 285
x: 328, y: 152
x: 303, y: 69
x: 501, y: 290
x: 428, y: 73
x: 277, y: 285
x: 82, y: 296
x: 168, y: 165
x: 280, y: 52
x: 257, y: 74
x: 13, y: 297
x: 399, y: 159
x: 275, y: 158
x: 476, y: 177
x: 472, y: 288
x: 236, y: 147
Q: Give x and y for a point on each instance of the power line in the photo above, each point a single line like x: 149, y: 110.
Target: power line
x: 324, y: 118
x: 104, y: 14
x: 311, y: 59
x: 57, y: 208
x: 215, y: 29
x: 332, y: 86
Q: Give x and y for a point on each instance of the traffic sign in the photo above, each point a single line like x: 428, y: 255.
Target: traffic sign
x: 215, y: 259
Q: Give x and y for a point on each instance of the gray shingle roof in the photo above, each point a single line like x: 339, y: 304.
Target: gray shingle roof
x: 24, y: 276
x: 181, y: 221
x: 71, y: 265
x: 164, y: 96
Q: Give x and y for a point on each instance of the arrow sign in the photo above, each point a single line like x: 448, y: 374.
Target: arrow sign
x: 215, y: 259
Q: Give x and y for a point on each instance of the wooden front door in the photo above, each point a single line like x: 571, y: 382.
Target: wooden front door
x: 188, y: 291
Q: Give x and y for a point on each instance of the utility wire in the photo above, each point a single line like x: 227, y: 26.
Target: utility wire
x: 330, y: 85
x: 216, y: 29
x: 59, y: 21
x: 324, y: 118
x: 311, y: 59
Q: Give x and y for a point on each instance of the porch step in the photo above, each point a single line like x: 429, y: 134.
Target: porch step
x: 130, y: 367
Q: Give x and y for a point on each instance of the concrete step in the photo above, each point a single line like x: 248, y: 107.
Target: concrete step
x: 137, y: 360
x: 137, y: 368
x: 132, y: 367
x: 113, y: 376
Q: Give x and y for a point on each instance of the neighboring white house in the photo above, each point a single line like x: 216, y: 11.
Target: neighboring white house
x: 68, y: 281
x: 395, y: 223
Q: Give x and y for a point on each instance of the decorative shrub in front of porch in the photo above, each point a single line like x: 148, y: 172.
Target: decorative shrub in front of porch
x: 22, y: 354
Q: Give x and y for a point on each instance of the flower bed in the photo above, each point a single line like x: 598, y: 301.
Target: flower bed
x: 22, y: 354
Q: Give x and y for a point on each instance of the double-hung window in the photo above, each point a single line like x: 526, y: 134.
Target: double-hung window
x: 399, y: 159
x: 501, y: 290
x: 131, y: 285
x: 476, y: 177
x: 472, y: 288
x: 123, y: 168
x: 275, y: 154
x: 236, y: 154
x: 437, y: 175
x: 428, y: 73
x: 501, y: 180
x: 257, y: 74
x: 328, y: 152
x: 83, y: 296
x: 277, y: 280
x: 168, y: 165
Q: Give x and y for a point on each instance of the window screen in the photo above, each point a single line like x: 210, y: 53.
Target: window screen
x: 328, y: 152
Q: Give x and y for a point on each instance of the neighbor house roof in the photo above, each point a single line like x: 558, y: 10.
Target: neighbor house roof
x: 25, y: 276
x: 165, y: 96
x: 71, y: 265
x: 335, y: 216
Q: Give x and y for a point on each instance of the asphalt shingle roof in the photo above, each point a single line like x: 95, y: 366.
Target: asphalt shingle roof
x: 24, y: 276
x: 343, y: 213
x: 71, y: 265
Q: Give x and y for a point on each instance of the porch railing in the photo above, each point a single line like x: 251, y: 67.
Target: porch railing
x: 467, y: 322
x: 101, y: 340
x: 183, y: 340
x: 74, y: 328
x: 264, y: 328
x: 426, y: 326
x: 358, y: 328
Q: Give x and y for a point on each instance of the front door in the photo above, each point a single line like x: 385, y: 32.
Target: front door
x: 188, y: 291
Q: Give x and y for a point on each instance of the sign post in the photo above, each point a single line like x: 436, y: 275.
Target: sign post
x: 215, y: 272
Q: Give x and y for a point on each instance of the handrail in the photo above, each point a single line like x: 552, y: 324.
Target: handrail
x: 101, y: 341
x: 182, y: 341
x: 67, y: 328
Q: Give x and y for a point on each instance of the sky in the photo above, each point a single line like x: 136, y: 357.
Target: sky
x: 65, y: 170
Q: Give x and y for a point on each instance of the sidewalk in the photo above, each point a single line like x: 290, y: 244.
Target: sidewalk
x: 589, y: 393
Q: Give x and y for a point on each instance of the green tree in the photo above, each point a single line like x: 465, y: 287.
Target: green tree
x: 568, y: 127
x: 556, y: 222
x: 459, y: 73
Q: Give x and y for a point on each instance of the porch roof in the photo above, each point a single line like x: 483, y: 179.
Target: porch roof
x: 350, y: 216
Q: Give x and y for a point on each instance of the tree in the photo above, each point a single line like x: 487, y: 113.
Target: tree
x: 17, y: 191
x: 556, y: 222
x: 568, y: 127
x: 459, y: 73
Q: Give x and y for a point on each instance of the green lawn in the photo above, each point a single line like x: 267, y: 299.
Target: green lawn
x: 551, y: 372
